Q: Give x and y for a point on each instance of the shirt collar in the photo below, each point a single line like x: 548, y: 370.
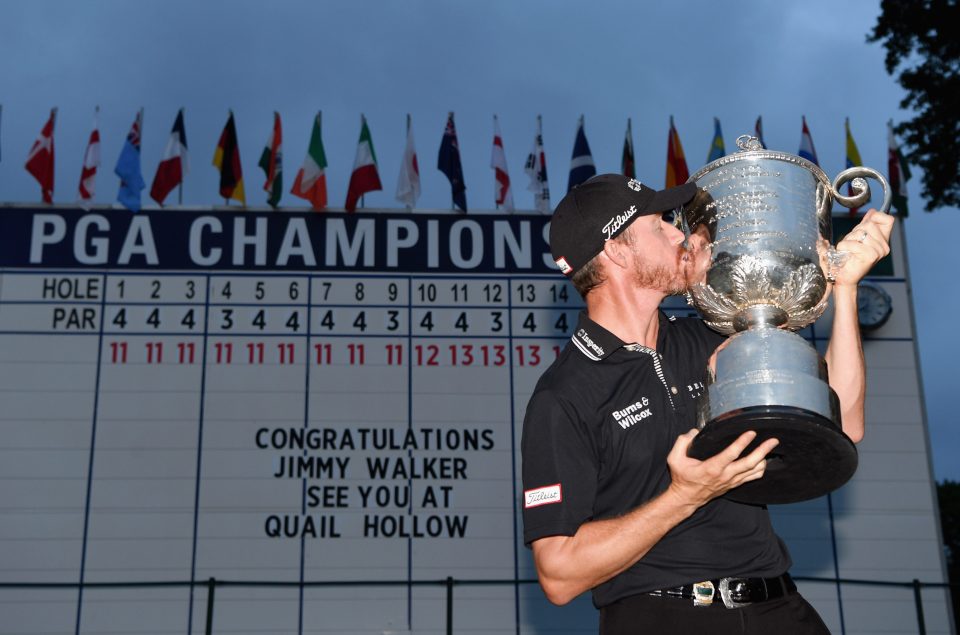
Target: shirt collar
x: 597, y: 343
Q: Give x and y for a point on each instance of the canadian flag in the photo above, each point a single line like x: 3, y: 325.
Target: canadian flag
x: 40, y: 160
x: 502, y: 194
x: 91, y: 161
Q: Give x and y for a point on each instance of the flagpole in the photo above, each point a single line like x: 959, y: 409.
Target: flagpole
x: 140, y: 118
x: 180, y: 185
x: 453, y: 204
x: 408, y: 206
x: 496, y: 205
x: 539, y: 148
x: 363, y: 122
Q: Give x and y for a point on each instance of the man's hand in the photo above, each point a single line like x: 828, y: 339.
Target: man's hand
x: 569, y: 565
x: 866, y: 243
x: 697, y: 482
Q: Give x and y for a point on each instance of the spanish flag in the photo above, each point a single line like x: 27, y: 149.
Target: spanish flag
x: 677, y: 173
x: 227, y: 160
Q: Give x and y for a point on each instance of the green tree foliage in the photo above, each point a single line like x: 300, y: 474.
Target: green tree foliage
x: 922, y: 39
x: 948, y: 495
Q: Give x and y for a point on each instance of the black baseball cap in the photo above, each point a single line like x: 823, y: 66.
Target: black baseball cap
x: 602, y: 208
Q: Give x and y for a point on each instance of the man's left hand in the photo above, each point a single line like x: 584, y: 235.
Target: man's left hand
x: 866, y: 243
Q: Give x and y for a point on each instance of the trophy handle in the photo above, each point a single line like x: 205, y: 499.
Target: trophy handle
x: 835, y: 258
x: 861, y: 190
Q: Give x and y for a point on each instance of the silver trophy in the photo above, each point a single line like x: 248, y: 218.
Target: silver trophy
x: 767, y: 218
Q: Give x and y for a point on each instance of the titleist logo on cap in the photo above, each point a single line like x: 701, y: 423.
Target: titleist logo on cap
x: 617, y: 221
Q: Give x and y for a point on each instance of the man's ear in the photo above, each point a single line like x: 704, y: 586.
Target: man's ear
x: 617, y: 253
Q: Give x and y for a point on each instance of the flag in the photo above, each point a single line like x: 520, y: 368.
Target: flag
x: 898, y: 171
x: 408, y: 183
x: 502, y: 194
x: 40, y: 159
x: 536, y: 169
x: 677, y: 173
x: 91, y: 161
x: 175, y: 163
x: 581, y: 163
x: 311, y: 182
x: 628, y: 166
x: 758, y: 132
x: 226, y: 158
x: 365, y: 177
x: 717, y: 150
x: 128, y: 167
x: 448, y: 162
x: 853, y: 159
x: 271, y: 160
x: 807, y: 150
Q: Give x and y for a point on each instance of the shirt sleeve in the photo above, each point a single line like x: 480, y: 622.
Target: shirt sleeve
x: 560, y: 464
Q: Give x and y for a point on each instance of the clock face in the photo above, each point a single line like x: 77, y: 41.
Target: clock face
x: 873, y: 305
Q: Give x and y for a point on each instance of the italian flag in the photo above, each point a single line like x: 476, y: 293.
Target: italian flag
x: 311, y: 182
x: 365, y: 177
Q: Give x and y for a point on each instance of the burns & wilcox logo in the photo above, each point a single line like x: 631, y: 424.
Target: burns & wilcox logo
x: 633, y: 413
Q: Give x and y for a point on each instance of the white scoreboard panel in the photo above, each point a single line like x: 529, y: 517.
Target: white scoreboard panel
x: 299, y: 397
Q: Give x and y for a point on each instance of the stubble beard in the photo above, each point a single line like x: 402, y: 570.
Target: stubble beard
x: 671, y: 280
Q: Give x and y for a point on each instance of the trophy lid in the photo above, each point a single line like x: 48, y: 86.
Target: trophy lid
x: 751, y: 149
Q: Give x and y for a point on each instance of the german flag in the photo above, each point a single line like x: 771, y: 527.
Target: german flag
x: 227, y: 160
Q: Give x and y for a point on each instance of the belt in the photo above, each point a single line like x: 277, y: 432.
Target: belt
x: 735, y: 592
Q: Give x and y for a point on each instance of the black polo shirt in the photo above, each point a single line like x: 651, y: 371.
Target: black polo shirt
x: 596, y: 435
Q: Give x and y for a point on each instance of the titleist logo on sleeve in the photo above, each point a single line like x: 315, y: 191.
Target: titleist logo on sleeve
x: 542, y: 496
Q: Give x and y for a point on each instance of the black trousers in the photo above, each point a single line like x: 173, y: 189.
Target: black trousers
x: 646, y: 614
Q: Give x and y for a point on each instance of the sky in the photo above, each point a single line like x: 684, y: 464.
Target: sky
x: 606, y: 60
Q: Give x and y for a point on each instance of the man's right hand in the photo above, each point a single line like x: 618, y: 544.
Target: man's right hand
x: 697, y: 482
x: 569, y: 565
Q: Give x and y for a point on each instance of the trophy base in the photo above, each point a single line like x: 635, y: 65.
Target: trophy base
x: 814, y: 456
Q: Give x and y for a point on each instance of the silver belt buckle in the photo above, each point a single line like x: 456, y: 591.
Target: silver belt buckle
x: 727, y: 593
x: 703, y: 593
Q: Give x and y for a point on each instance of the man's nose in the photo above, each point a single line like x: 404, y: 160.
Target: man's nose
x: 676, y: 235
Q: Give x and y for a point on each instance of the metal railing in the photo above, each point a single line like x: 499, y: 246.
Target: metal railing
x: 448, y: 584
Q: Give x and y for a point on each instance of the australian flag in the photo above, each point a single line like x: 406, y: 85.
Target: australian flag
x: 448, y: 162
x: 581, y: 164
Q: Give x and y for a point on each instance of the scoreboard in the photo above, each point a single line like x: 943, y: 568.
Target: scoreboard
x: 253, y: 396
x: 275, y: 396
